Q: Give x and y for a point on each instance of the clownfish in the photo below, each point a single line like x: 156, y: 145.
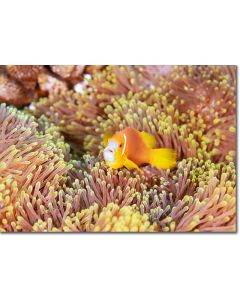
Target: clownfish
x: 131, y: 148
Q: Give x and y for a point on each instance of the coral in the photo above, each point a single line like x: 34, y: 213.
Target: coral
x: 26, y: 75
x: 22, y: 84
x: 50, y: 86
x: 12, y: 92
x: 18, y: 83
x: 70, y: 73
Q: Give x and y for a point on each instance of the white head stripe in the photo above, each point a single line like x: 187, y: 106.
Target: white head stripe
x: 125, y: 143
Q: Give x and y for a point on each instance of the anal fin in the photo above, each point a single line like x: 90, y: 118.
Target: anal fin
x: 129, y: 164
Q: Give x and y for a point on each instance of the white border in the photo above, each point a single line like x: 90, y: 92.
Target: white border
x: 178, y: 266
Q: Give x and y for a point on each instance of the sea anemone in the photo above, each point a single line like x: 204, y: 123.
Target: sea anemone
x: 155, y: 71
x: 213, y: 208
x: 120, y: 80
x: 199, y: 196
x: 31, y: 166
x: 97, y: 183
x: 194, y: 85
x: 182, y: 132
x: 111, y: 219
x: 53, y: 177
x: 71, y: 112
x: 93, y: 69
x: 126, y: 219
x: 209, y: 92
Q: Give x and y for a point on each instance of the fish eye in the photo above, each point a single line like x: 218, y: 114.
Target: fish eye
x: 120, y: 145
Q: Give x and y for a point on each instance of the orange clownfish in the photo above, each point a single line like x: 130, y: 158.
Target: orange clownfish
x: 131, y: 148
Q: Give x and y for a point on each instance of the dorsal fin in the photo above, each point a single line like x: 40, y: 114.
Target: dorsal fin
x: 106, y: 138
x: 149, y: 139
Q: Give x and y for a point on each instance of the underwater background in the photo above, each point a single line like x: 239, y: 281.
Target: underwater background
x: 53, y: 177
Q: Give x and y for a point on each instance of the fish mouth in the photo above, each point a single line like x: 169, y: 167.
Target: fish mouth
x: 109, y: 151
x: 109, y: 155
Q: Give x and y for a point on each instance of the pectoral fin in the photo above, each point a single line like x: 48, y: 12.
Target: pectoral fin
x: 148, y: 139
x: 131, y: 165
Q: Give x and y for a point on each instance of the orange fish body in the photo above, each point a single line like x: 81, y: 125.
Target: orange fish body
x: 132, y: 148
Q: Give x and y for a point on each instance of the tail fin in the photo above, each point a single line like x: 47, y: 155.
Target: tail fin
x: 163, y: 158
